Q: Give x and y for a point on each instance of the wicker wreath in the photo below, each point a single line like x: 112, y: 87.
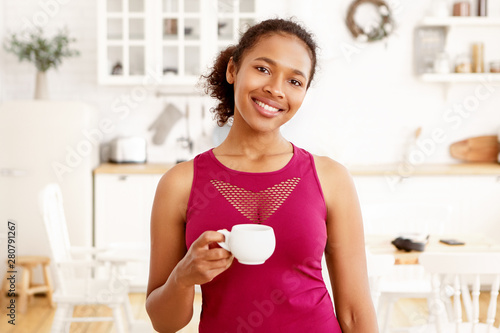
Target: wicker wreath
x: 377, y: 31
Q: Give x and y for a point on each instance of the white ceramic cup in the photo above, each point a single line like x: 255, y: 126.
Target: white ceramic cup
x: 251, y: 244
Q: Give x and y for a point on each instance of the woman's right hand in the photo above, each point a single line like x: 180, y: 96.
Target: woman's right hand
x: 203, y: 261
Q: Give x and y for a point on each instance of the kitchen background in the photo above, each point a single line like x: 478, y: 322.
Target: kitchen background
x: 365, y: 104
x: 365, y: 109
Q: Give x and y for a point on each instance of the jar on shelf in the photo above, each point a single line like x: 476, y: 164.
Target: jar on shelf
x: 461, y: 8
x: 463, y: 64
x: 442, y: 64
x: 478, y: 57
x: 495, y: 66
x: 440, y: 8
x: 482, y: 8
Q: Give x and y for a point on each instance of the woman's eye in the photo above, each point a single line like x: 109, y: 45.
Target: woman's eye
x: 296, y: 82
x: 263, y: 70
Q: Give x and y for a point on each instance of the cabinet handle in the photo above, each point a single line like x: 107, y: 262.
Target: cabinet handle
x: 11, y: 172
x: 122, y: 177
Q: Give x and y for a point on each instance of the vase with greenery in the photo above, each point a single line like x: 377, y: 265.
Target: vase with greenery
x: 44, y: 52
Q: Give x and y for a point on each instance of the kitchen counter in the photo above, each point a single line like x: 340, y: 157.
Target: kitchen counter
x: 474, y: 242
x: 133, y: 168
x: 358, y: 170
x: 426, y: 169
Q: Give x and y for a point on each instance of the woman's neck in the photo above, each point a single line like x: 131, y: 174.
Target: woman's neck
x: 252, y: 144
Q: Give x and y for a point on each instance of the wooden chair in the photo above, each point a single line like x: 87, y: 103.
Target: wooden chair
x: 454, y: 271
x: 26, y: 288
x: 75, y: 281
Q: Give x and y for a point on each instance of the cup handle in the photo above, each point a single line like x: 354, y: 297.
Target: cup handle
x: 225, y: 243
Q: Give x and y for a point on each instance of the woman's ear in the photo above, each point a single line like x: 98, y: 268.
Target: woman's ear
x: 230, y: 71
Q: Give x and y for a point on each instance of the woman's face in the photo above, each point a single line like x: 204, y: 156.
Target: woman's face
x: 271, y: 81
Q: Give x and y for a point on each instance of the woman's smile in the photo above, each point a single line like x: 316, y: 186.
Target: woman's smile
x: 266, y: 109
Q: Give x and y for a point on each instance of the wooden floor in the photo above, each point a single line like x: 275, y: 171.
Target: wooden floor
x: 38, y: 318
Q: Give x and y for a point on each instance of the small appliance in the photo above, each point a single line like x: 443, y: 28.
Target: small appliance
x: 128, y: 150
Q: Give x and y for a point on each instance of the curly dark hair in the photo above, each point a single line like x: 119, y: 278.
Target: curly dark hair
x: 215, y: 83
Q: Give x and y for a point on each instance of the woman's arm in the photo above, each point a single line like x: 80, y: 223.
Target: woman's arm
x: 173, y: 270
x: 345, y: 249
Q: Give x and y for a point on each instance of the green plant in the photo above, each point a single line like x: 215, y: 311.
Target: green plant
x: 44, y: 52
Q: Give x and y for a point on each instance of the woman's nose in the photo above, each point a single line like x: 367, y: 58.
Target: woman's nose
x: 275, y: 88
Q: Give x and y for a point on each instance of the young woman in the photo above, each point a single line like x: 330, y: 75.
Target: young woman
x: 257, y: 176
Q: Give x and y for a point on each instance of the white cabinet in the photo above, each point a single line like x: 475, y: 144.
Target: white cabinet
x: 123, y: 205
x: 472, y: 199
x: 455, y: 30
x: 405, y: 206
x: 168, y: 42
x: 123, y: 202
x: 479, y: 209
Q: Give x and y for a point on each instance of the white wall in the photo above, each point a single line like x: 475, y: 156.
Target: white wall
x: 367, y: 104
x: 2, y: 74
x: 361, y: 109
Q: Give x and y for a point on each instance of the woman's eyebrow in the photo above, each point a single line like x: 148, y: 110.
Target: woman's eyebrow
x: 274, y: 63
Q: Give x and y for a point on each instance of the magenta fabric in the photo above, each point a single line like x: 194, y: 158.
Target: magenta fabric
x: 286, y: 293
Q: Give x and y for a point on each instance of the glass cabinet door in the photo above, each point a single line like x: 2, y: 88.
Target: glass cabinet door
x: 181, y: 24
x: 174, y: 40
x: 234, y: 17
x: 125, y: 38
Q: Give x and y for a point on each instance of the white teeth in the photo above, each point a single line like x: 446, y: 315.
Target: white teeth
x: 265, y: 106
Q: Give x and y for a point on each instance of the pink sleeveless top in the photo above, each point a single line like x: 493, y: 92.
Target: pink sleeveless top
x: 286, y: 293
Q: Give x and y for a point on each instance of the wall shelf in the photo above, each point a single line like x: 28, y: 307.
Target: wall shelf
x: 460, y: 21
x: 460, y: 77
x: 445, y: 25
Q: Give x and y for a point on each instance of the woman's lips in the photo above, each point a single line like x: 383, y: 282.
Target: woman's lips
x: 266, y: 109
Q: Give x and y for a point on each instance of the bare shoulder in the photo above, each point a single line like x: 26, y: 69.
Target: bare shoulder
x: 178, y: 178
x: 335, y: 180
x: 330, y: 171
x: 172, y: 193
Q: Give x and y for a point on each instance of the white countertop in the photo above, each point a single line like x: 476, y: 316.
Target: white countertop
x: 356, y: 170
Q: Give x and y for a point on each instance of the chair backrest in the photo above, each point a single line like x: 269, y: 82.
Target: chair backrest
x: 55, y: 222
x: 51, y: 206
x: 378, y: 266
x: 482, y: 270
